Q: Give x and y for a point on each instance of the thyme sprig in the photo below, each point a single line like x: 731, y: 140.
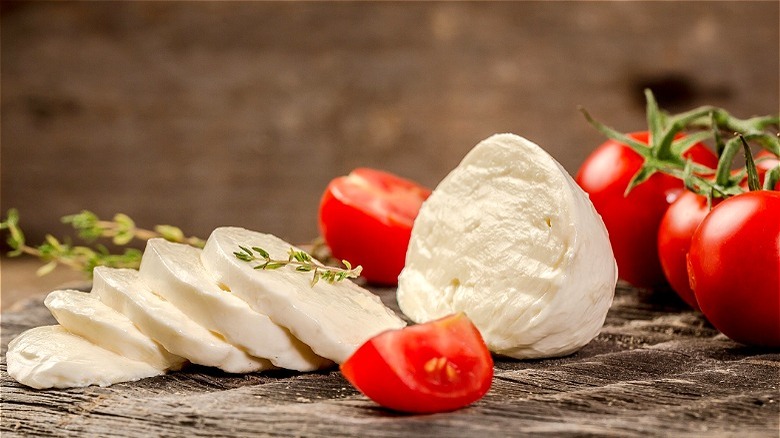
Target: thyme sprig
x: 89, y: 227
x: 122, y: 230
x: 302, y: 262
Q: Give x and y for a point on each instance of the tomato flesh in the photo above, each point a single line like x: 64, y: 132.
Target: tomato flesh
x: 367, y: 217
x: 734, y: 267
x: 632, y: 221
x: 438, y: 366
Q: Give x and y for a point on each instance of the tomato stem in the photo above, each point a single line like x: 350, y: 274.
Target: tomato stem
x: 772, y: 178
x: 750, y: 165
x: 667, y: 146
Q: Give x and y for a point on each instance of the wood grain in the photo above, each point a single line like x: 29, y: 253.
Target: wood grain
x: 654, y: 370
x: 201, y: 114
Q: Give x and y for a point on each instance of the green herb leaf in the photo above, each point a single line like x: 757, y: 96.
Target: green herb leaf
x: 263, y: 253
x: 301, y: 261
x: 121, y: 230
x: 170, y: 233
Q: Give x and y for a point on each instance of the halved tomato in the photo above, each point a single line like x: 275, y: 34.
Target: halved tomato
x: 438, y: 366
x: 367, y: 217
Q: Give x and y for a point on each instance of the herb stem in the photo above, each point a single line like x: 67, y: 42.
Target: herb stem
x: 301, y: 261
x: 89, y: 227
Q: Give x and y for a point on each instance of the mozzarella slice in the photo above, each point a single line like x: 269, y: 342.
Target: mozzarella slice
x: 52, y: 357
x: 333, y: 318
x: 125, y: 292
x: 511, y: 240
x: 83, y: 314
x: 175, y: 272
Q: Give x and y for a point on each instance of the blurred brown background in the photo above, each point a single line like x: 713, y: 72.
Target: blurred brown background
x: 209, y: 113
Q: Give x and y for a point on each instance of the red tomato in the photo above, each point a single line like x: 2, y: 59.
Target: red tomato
x: 766, y: 161
x: 734, y: 267
x: 438, y: 366
x: 674, y: 241
x: 367, y: 217
x: 633, y: 220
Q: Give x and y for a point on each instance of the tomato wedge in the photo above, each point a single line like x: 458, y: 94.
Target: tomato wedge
x: 367, y: 217
x: 438, y: 366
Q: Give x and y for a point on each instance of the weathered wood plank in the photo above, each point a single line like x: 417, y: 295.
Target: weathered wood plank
x: 234, y: 107
x: 655, y: 369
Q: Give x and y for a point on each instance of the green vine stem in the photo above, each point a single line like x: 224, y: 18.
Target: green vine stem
x: 667, y: 145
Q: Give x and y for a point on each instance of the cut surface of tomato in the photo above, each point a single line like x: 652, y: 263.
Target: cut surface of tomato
x: 438, y: 366
x: 367, y: 217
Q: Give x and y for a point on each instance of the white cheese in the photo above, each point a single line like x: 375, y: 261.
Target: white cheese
x: 511, y: 240
x: 125, y: 292
x: 52, y: 357
x: 334, y: 319
x: 175, y: 272
x: 83, y: 314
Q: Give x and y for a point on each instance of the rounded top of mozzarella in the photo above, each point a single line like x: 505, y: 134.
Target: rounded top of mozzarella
x: 509, y: 239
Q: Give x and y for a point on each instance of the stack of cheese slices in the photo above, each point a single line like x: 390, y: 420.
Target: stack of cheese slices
x: 206, y: 307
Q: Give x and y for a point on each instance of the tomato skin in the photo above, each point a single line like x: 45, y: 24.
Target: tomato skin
x: 674, y: 241
x: 765, y: 161
x: 438, y: 366
x: 734, y: 267
x: 632, y: 221
x: 367, y: 217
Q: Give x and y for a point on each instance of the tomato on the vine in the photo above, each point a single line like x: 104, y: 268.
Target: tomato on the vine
x: 680, y: 222
x: 674, y: 241
x: 438, y: 366
x: 734, y: 267
x: 367, y: 217
x: 766, y: 161
x: 632, y: 221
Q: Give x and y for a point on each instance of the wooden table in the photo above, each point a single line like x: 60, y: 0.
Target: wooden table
x: 656, y: 369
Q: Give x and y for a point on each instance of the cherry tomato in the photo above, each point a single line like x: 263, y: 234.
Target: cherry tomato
x: 438, y: 366
x: 766, y: 161
x: 632, y: 221
x: 367, y: 217
x: 734, y: 267
x: 678, y: 224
